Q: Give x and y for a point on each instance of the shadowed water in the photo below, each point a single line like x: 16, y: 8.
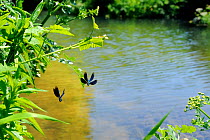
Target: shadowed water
x: 145, y: 69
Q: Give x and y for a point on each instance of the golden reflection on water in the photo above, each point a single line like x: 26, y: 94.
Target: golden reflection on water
x: 74, y: 108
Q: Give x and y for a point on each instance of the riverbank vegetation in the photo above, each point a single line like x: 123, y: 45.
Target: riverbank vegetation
x: 196, y: 12
x: 179, y: 9
x: 25, y: 52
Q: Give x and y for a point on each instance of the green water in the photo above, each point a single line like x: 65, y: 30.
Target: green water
x: 146, y: 68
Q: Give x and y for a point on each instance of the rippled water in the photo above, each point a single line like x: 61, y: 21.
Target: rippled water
x: 145, y: 69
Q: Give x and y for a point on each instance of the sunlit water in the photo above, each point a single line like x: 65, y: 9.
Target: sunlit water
x: 145, y: 69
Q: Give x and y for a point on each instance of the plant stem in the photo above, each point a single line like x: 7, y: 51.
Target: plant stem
x: 204, y: 112
x: 67, y: 48
x: 50, y: 13
x: 20, y: 3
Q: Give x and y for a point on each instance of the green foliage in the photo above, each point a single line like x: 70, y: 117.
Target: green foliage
x: 13, y: 108
x: 196, y: 103
x: 92, y: 4
x: 170, y: 133
x: 25, y: 51
x: 67, y: 8
x: 24, y: 40
x: 145, y: 8
x: 173, y: 132
x: 37, y: 12
x: 92, y: 42
x: 154, y: 130
x: 202, y: 16
x: 59, y: 29
x: 26, y: 115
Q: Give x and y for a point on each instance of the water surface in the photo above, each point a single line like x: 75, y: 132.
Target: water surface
x: 145, y: 69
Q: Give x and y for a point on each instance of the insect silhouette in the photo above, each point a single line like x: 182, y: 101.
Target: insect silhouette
x: 57, y: 93
x: 88, y: 82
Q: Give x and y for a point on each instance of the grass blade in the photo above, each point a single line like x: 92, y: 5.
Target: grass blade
x: 37, y: 11
x: 23, y: 100
x: 31, y: 90
x: 36, y: 125
x: 153, y: 131
x: 14, y: 134
x: 27, y: 115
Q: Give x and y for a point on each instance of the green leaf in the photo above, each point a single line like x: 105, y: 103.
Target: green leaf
x: 30, y: 79
x: 6, y: 68
x: 36, y: 125
x: 28, y: 102
x: 17, y: 135
x: 153, y: 131
x: 20, y: 20
x: 37, y: 11
x: 188, y: 129
x: 3, y: 86
x: 59, y: 29
x: 92, y: 42
x: 27, y: 115
x: 27, y: 23
x: 70, y: 58
x: 35, y: 40
x: 31, y: 90
x: 3, y: 47
x: 95, y: 26
x: 35, y: 30
x: 13, y: 134
x: 177, y: 127
x: 3, y: 17
x: 26, y: 65
x: 161, y: 131
x: 23, y: 105
x: 4, y: 40
x: 21, y: 12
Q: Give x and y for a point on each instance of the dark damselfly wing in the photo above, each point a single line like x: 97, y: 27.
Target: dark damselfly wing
x: 93, y: 82
x: 60, y: 98
x: 56, y: 91
x: 92, y: 76
x: 88, y: 82
x: 85, y: 76
x: 83, y: 81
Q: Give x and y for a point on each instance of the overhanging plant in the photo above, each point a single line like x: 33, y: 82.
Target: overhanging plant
x: 25, y: 51
x: 13, y: 108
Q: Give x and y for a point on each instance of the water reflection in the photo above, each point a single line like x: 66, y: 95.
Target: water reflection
x: 74, y: 108
x: 146, y: 68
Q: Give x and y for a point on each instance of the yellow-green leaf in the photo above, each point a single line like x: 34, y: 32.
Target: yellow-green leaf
x: 4, y: 40
x: 28, y: 102
x: 37, y: 11
x: 188, y: 129
x: 95, y: 26
x: 4, y: 16
x: 36, y: 125
x: 60, y: 30
x: 2, y: 47
x: 27, y: 115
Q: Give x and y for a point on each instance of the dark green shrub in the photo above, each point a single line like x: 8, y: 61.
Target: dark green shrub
x: 144, y: 8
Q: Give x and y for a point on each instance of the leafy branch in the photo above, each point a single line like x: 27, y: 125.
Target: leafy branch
x: 82, y: 45
x: 25, y: 51
x: 196, y: 103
